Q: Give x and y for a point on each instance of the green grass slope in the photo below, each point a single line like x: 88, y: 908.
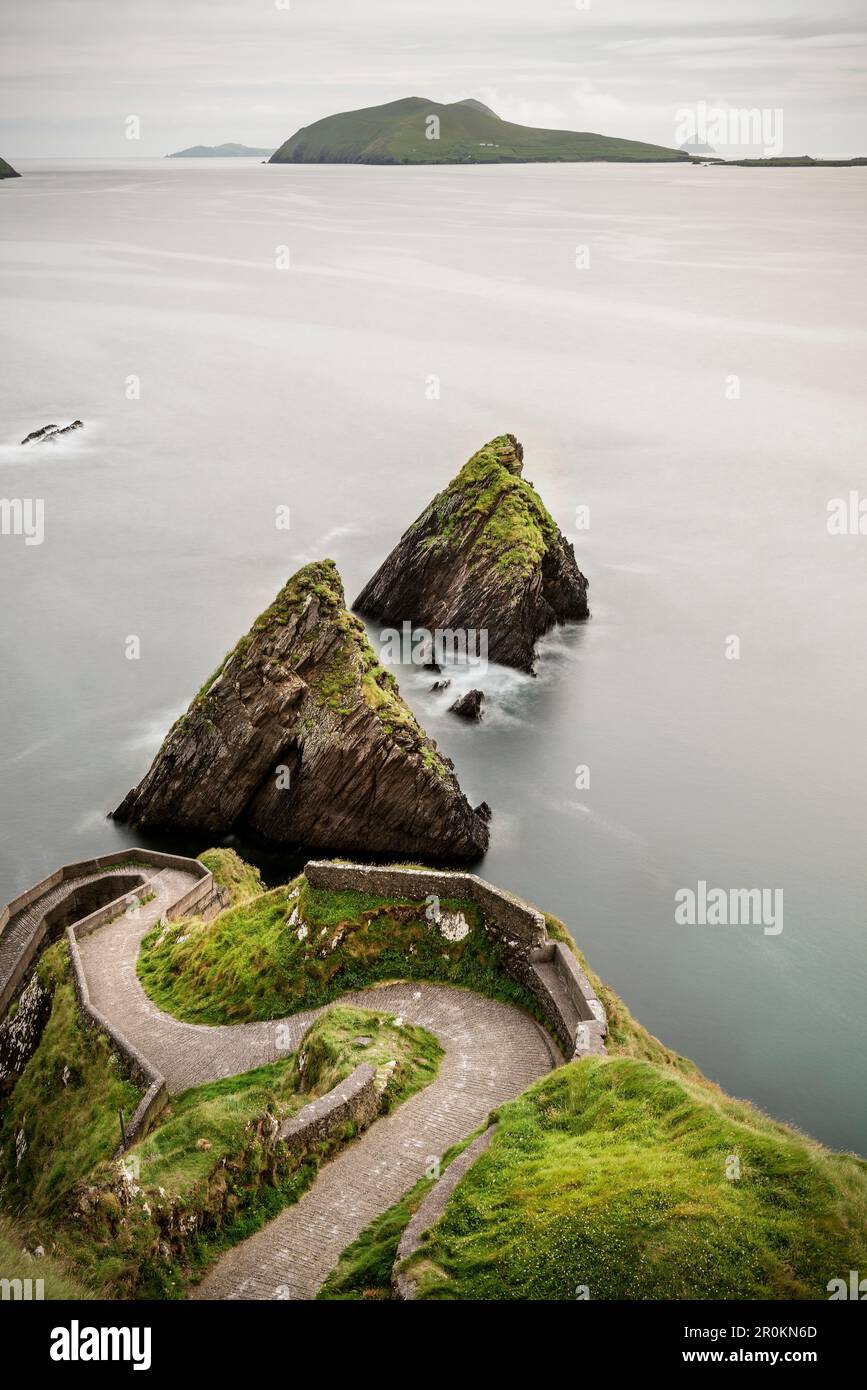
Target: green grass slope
x: 296, y: 947
x: 61, y: 1117
x: 615, y: 1176
x: 17, y: 1262
x: 470, y: 133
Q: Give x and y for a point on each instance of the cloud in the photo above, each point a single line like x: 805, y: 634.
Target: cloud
x: 210, y: 70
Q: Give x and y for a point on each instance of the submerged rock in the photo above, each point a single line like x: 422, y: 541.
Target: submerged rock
x: 484, y: 557
x: 51, y: 432
x: 469, y: 706
x: 302, y: 737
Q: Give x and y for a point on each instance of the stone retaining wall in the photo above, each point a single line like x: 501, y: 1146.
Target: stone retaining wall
x: 513, y: 918
x: 354, y: 1100
x: 548, y: 969
x: 431, y: 1209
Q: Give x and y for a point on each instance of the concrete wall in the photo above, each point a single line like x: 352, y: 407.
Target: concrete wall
x: 353, y: 1100
x: 548, y: 969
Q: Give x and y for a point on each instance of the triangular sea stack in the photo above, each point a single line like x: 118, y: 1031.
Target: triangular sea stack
x: 485, y: 555
x: 302, y: 737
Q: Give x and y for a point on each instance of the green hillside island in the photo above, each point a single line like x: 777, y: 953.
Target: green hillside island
x: 7, y: 172
x: 469, y: 133
x: 226, y: 151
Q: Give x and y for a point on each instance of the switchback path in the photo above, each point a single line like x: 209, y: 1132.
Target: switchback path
x: 492, y: 1052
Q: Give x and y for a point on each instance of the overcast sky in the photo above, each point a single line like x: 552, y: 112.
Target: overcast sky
x: 205, y: 71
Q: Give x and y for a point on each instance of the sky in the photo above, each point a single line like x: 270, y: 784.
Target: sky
x: 204, y: 71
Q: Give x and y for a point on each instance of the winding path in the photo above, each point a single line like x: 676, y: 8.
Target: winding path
x: 492, y: 1052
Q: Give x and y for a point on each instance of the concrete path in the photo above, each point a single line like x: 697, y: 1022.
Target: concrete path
x: 492, y: 1052
x: 17, y: 935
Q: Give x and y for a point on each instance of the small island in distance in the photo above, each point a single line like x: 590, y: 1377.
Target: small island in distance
x: 226, y: 151
x: 7, y: 172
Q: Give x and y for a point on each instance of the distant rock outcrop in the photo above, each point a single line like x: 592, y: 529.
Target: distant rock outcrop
x: 484, y: 557
x: 51, y: 432
x: 302, y: 737
x: 7, y: 172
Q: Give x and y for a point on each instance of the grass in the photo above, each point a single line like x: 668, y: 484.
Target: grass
x: 298, y: 947
x: 365, y: 1267
x: 612, y: 1174
x: 240, y: 879
x: 57, y: 1280
x: 509, y: 522
x: 217, y: 1113
x: 65, y: 1105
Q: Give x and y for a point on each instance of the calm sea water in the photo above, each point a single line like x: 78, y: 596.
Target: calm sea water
x: 313, y: 387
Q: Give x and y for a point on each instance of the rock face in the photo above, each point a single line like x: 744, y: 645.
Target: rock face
x: 484, y: 556
x: 20, y: 1034
x: 469, y: 706
x: 301, y: 737
x: 7, y: 172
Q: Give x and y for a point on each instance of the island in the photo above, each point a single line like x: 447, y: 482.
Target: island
x: 226, y: 151
x: 416, y: 130
x: 7, y: 172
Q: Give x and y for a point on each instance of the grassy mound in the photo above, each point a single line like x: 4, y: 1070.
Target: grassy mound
x: 617, y: 1176
x: 298, y: 947
x: 240, y: 879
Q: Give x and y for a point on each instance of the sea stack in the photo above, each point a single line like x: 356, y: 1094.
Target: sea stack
x: 301, y: 737
x: 484, y: 556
